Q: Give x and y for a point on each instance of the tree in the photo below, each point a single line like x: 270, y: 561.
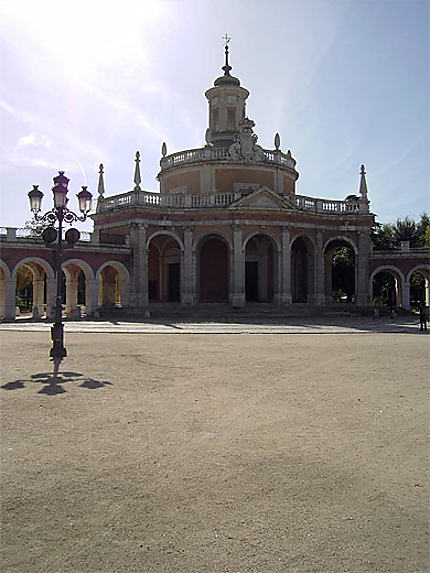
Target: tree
x: 423, y: 228
x: 405, y: 230
x: 343, y: 271
x: 35, y: 228
x: 383, y: 236
x: 390, y: 235
x: 24, y: 287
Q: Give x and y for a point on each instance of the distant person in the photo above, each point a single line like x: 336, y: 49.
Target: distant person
x: 376, y: 308
x: 423, y: 316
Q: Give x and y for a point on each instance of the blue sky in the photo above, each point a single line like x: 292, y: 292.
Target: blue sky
x: 89, y: 82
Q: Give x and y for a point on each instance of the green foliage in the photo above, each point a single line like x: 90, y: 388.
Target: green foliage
x: 24, y: 288
x: 24, y: 277
x: 34, y: 227
x: 343, y: 273
x: 390, y: 235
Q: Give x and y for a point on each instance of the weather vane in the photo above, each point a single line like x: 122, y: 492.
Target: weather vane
x: 227, y: 39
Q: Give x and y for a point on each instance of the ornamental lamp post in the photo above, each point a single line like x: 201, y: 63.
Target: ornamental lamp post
x: 61, y: 213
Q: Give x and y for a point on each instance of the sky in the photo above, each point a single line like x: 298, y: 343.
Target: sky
x: 89, y: 82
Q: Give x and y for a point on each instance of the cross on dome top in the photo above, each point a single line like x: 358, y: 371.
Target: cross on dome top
x: 226, y: 66
x: 226, y: 78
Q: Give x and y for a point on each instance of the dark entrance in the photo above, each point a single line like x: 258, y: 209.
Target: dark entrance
x: 174, y: 292
x: 214, y: 271
x: 251, y: 281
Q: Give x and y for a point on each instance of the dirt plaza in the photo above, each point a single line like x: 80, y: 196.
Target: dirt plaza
x: 259, y: 453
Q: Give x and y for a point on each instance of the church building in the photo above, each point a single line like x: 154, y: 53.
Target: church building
x: 228, y: 225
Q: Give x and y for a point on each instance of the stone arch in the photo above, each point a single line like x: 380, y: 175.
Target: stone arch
x: 262, y: 263
x: 43, y: 284
x: 170, y: 234
x: 35, y: 261
x: 6, y: 270
x: 216, y: 233
x: 302, y: 269
x: 113, y: 280
x: 266, y: 233
x: 342, y: 277
x: 165, y: 258
x: 213, y: 255
x: 79, y: 287
x: 392, y: 293
x: 341, y: 239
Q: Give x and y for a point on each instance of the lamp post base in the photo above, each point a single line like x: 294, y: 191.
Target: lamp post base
x: 58, y: 351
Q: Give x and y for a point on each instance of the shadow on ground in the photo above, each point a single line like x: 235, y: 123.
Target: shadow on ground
x: 53, y: 385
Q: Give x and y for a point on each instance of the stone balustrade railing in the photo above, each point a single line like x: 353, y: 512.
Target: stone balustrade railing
x: 217, y: 200
x: 202, y: 154
x: 26, y: 235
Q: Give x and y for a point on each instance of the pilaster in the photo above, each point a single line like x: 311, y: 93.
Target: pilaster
x: 319, y: 271
x: 188, y: 285
x: 286, y: 267
x: 238, y: 295
x: 139, y: 267
x: 362, y: 269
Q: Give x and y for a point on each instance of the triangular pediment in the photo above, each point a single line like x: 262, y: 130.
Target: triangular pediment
x: 263, y: 198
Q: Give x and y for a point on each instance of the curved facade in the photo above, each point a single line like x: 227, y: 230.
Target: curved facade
x: 237, y: 230
x: 226, y: 226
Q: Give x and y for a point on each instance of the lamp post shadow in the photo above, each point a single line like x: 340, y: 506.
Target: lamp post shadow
x: 53, y: 383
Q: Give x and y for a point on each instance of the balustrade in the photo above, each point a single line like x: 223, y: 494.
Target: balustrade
x: 181, y: 201
x: 220, y: 154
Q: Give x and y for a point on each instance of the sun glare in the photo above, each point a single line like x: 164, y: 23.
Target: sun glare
x: 85, y: 36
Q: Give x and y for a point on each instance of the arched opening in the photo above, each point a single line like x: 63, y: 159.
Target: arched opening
x: 419, y: 288
x: 32, y: 295
x: 213, y: 270
x: 113, y: 287
x: 75, y: 288
x: 259, y: 269
x: 339, y: 272
x: 164, y: 269
x: 386, y: 289
x: 301, y: 270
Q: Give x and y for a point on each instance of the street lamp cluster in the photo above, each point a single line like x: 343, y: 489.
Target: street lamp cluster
x: 63, y: 215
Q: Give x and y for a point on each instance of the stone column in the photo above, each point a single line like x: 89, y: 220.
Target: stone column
x: 286, y: 267
x: 91, y: 296
x: 38, y: 295
x: 9, y: 305
x: 320, y: 271
x: 362, y: 269
x: 238, y: 294
x: 188, y: 295
x: 51, y: 295
x: 406, y: 295
x: 139, y: 267
x: 71, y: 296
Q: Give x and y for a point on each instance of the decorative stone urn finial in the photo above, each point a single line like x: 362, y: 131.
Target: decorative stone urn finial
x: 277, y: 141
x: 137, y: 179
x: 164, y: 149
x: 101, y: 184
x: 363, y: 184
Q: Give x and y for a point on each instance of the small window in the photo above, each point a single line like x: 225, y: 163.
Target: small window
x: 231, y: 119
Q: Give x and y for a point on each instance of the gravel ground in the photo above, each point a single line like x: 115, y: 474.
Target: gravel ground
x: 228, y: 453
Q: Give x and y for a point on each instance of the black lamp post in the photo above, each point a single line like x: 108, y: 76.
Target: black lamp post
x: 61, y: 213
